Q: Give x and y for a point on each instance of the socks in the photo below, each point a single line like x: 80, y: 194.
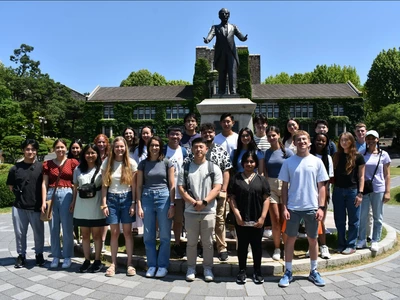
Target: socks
x: 288, y: 266
x: 314, y: 264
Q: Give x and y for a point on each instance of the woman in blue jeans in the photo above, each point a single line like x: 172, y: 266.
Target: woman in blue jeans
x: 347, y: 195
x: 155, y: 191
x: 377, y: 169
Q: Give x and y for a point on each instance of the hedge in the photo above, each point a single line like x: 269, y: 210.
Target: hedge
x: 6, y: 196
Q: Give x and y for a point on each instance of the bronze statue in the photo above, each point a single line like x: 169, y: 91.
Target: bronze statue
x: 226, y: 59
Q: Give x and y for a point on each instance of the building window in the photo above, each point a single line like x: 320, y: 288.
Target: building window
x: 302, y: 111
x: 176, y: 112
x: 144, y: 113
x: 108, y: 112
x: 271, y: 110
x: 338, y: 110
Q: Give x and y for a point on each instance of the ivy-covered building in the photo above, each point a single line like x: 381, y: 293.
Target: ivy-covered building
x: 113, y: 108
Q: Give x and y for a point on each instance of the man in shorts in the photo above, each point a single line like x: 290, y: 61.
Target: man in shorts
x: 304, y: 199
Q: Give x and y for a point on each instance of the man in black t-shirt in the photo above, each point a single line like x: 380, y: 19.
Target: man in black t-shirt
x: 25, y: 181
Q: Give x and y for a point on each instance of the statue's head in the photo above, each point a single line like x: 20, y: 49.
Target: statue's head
x: 224, y: 14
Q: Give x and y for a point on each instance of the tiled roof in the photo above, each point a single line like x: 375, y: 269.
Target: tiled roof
x: 304, y: 91
x: 260, y: 92
x: 141, y: 93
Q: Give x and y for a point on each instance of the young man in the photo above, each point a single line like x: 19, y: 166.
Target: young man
x: 190, y: 123
x: 227, y: 139
x: 176, y: 154
x: 303, y: 199
x: 25, y: 181
x: 260, y: 123
x: 321, y: 126
x: 199, y: 190
x: 221, y: 158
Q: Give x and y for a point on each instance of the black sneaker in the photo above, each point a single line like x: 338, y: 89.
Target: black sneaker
x: 179, y: 250
x: 97, y: 266
x: 40, y: 260
x: 85, y: 266
x: 20, y: 261
x: 258, y: 278
x: 241, y: 277
x: 223, y: 256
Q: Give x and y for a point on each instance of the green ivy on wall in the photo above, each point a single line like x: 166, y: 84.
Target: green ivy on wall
x: 243, y: 74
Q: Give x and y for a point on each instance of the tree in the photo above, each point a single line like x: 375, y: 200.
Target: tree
x: 24, y: 62
x: 387, y: 120
x: 321, y: 74
x: 12, y: 120
x: 11, y: 146
x: 144, y: 78
x: 178, y: 82
x: 383, y: 80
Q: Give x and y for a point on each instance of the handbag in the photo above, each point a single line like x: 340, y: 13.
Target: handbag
x: 88, y: 190
x: 368, y: 187
x: 47, y: 215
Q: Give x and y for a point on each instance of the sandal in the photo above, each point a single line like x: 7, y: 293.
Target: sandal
x: 110, y: 271
x: 130, y: 271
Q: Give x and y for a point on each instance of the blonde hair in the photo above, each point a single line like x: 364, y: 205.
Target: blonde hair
x: 126, y: 171
x: 350, y: 156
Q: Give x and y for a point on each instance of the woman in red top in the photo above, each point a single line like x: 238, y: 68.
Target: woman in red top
x: 61, y: 202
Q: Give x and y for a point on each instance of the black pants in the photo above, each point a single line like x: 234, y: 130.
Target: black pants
x: 252, y: 236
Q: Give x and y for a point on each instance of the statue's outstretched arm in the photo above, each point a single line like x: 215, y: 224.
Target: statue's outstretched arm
x: 210, y: 35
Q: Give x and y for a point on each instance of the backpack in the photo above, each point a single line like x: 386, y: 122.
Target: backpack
x: 186, y: 166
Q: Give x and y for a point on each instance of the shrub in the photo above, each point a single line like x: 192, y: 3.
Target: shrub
x: 6, y: 196
x: 12, y: 148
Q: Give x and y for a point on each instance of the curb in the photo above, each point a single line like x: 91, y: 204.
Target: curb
x: 270, y: 267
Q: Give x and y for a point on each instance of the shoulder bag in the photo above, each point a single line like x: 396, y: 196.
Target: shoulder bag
x: 368, y: 187
x: 88, y: 190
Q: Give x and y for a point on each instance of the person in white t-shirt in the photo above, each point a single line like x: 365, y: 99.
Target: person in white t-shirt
x: 303, y: 199
x: 118, y: 200
x: 227, y: 139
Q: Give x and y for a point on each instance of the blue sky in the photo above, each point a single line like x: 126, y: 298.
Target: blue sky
x: 85, y: 44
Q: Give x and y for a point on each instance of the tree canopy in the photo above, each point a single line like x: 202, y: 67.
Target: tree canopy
x: 144, y: 77
x: 321, y: 74
x: 383, y: 80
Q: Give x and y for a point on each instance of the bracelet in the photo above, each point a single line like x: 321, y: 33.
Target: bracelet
x: 103, y: 206
x: 133, y: 202
x: 172, y: 204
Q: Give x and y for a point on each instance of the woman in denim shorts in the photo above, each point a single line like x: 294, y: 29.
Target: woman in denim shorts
x: 118, y: 199
x: 155, y: 194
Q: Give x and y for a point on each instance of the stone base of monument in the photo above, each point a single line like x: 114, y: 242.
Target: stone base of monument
x: 241, y: 108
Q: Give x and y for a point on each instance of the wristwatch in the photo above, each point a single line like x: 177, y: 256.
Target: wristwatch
x: 204, y: 202
x: 321, y: 207
x: 172, y: 204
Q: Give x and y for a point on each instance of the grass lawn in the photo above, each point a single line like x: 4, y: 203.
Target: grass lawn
x: 394, y: 171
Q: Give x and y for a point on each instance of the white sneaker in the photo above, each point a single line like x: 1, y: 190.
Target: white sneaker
x: 190, y: 274
x: 208, y: 275
x: 374, y: 246
x: 54, y: 263
x: 151, y: 272
x: 324, y: 252
x: 103, y: 248
x: 161, y: 272
x: 67, y: 263
x: 277, y: 254
x: 361, y: 244
x: 267, y: 233
x: 249, y: 253
x: 308, y: 254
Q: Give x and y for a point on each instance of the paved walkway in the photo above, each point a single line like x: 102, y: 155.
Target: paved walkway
x: 375, y: 281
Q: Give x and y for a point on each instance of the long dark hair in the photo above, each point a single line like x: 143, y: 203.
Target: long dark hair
x: 160, y: 142
x: 141, y: 141
x: 287, y: 135
x: 70, y: 155
x: 278, y: 131
x: 83, y: 166
x: 325, y: 154
x: 251, y: 147
x: 135, y: 139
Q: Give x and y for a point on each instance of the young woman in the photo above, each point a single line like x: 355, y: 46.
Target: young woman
x: 52, y: 169
x: 349, y: 167
x: 75, y: 149
x: 103, y: 144
x: 118, y: 200
x: 87, y: 212
x: 156, y: 194
x: 377, y: 169
x: 249, y: 203
x: 291, y: 127
x: 130, y: 136
x: 274, y: 158
x: 246, y: 143
x: 141, y: 151
x: 320, y: 148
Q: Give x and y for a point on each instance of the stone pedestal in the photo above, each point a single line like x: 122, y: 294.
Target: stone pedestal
x: 241, y: 108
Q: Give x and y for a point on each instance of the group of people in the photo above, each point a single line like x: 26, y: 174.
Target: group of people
x: 191, y: 182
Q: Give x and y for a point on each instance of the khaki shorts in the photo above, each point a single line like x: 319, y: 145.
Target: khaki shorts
x: 275, y: 186
x: 179, y: 208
